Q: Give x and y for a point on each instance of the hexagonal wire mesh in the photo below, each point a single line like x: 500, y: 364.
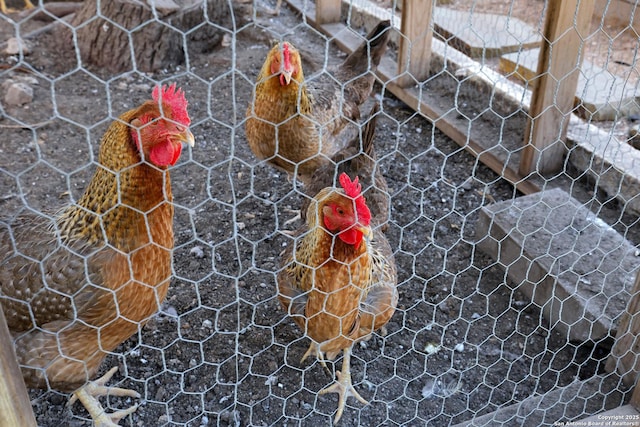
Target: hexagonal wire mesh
x: 508, y: 305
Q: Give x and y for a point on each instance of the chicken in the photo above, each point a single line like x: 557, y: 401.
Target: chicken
x: 297, y: 125
x: 76, y: 284
x: 338, y: 281
x: 355, y: 158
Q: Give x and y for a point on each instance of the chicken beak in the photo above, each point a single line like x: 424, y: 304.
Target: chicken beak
x: 286, y: 76
x: 187, y: 137
x: 366, y: 231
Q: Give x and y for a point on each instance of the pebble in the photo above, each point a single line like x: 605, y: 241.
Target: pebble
x: 15, y: 46
x: 197, y: 251
x: 18, y: 94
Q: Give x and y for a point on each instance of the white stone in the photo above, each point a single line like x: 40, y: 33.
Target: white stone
x: 15, y: 46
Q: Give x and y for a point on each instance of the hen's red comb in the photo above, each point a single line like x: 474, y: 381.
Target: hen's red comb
x: 286, y: 54
x: 175, y: 100
x: 353, y: 189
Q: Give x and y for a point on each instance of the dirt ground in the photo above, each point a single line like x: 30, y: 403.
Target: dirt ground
x: 222, y: 352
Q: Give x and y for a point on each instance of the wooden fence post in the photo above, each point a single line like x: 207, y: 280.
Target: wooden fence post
x: 624, y: 357
x: 566, y: 25
x: 328, y: 11
x: 15, y: 405
x: 414, y: 54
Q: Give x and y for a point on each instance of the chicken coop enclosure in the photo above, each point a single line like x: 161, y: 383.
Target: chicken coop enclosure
x: 508, y: 136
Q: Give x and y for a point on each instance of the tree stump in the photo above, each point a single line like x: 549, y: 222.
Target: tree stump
x: 126, y: 35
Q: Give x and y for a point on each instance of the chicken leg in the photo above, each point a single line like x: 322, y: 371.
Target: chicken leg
x: 88, y: 394
x: 343, y: 385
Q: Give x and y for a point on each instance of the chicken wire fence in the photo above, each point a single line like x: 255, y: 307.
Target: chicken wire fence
x: 509, y: 304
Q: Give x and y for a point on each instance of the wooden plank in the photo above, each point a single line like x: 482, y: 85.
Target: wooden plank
x: 387, y: 71
x: 414, y: 55
x: 635, y: 398
x: 328, y: 11
x: 566, y: 25
x: 625, y: 353
x: 15, y: 405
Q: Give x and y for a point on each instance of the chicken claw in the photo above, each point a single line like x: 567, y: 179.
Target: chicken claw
x: 314, y: 350
x: 343, y: 386
x: 88, y: 394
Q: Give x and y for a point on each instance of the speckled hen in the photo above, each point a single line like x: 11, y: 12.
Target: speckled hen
x: 77, y: 283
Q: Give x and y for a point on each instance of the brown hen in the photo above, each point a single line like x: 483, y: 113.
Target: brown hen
x: 296, y: 125
x: 359, y: 158
x: 339, y: 278
x: 77, y: 284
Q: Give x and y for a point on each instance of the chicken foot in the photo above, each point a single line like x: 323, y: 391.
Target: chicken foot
x: 314, y: 350
x: 88, y: 394
x: 343, y: 385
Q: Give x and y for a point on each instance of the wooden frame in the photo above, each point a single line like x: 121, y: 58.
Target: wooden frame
x: 414, y: 55
x: 15, y: 405
x: 566, y: 25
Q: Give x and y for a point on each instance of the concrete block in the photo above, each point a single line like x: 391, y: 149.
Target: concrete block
x: 565, y: 405
x: 483, y: 35
x: 578, y: 269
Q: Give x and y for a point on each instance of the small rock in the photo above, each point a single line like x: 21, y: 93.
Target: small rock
x: 197, y: 252
x: 226, y: 40
x: 459, y: 348
x: 15, y: 46
x: 170, y: 311
x: 18, y: 94
x: 432, y: 348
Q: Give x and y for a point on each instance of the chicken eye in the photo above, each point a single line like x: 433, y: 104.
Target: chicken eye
x: 340, y: 211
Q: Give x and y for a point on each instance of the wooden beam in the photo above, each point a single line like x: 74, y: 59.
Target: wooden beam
x: 635, y: 398
x: 566, y: 25
x: 414, y: 55
x: 328, y: 11
x: 15, y: 405
x: 625, y: 353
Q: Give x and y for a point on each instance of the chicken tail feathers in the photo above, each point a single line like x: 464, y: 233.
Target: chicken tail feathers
x: 368, y: 132
x: 371, y: 49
